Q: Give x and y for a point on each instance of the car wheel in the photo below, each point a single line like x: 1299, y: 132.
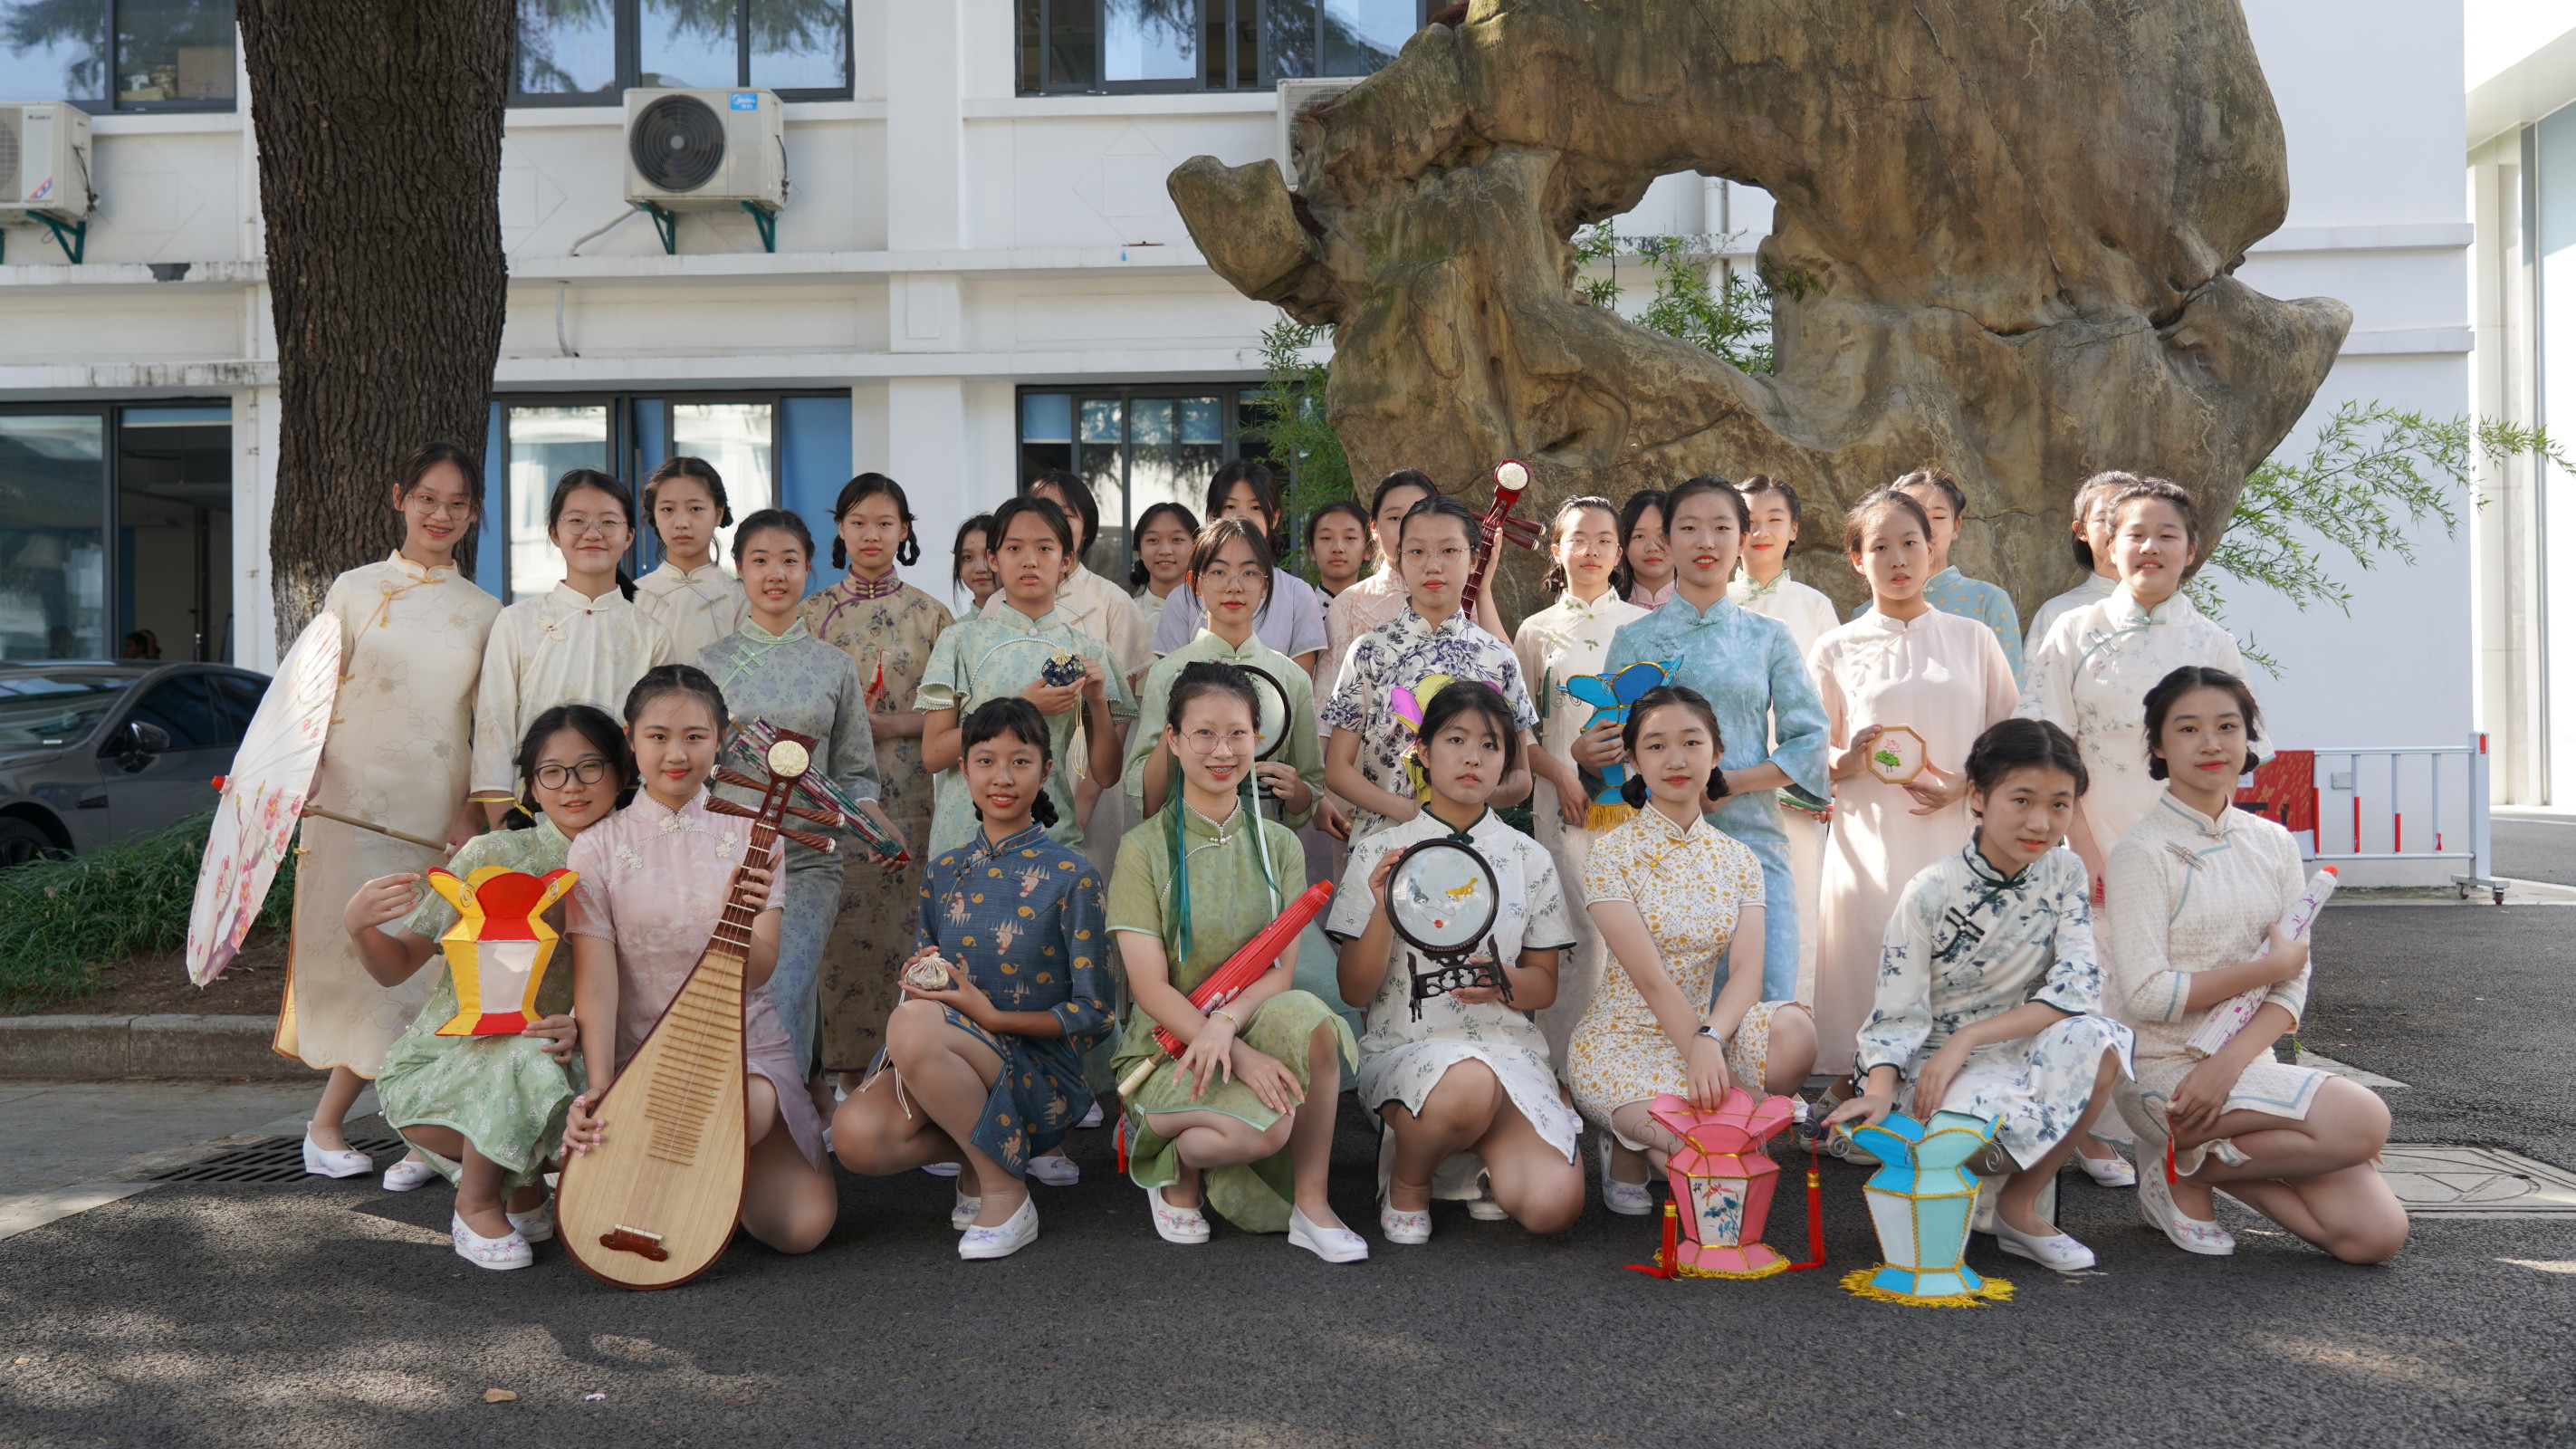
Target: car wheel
x: 21, y: 841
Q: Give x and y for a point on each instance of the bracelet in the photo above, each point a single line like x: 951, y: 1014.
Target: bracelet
x: 1229, y: 1018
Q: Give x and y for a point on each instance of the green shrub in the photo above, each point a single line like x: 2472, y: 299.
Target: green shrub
x: 60, y: 919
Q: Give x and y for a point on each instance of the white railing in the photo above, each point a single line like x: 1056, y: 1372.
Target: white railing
x: 2424, y: 804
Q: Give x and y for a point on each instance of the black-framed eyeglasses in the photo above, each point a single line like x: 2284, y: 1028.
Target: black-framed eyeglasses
x: 589, y: 772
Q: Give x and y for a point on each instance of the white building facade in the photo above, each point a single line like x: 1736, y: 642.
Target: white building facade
x: 978, y: 273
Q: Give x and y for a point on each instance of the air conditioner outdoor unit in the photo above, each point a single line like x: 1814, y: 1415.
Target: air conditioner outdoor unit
x: 44, y: 162
x: 706, y: 150
x: 1300, y: 95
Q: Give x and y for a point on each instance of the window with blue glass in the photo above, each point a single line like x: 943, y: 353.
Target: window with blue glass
x: 1106, y: 46
x: 587, y: 52
x: 1136, y: 447
x: 122, y: 55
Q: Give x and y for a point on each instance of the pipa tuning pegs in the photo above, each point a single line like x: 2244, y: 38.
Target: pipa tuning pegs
x: 808, y: 838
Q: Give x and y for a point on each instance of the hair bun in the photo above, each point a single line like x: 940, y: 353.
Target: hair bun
x: 1042, y: 809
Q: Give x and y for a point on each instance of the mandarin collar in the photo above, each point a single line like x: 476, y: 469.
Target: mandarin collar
x: 751, y: 630
x: 421, y: 573
x: 1221, y: 650
x: 1681, y: 833
x: 709, y: 569
x: 2199, y: 824
x: 2126, y: 609
x: 1020, y: 839
x: 1000, y: 606
x: 572, y: 598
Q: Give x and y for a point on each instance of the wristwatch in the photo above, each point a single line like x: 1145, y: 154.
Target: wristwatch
x: 1710, y: 1032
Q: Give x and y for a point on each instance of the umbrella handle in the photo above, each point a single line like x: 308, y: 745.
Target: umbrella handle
x: 438, y: 845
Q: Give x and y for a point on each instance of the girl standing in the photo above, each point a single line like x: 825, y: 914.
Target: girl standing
x: 688, y: 593
x: 1681, y: 905
x: 1007, y: 650
x: 1379, y: 597
x: 1903, y: 663
x: 994, y: 1059
x: 1293, y: 622
x: 1164, y: 538
x: 2091, y: 513
x: 970, y: 565
x: 654, y: 878
x: 1364, y: 759
x: 1337, y: 539
x: 583, y: 642
x: 2201, y: 887
x: 1248, y: 1109
x: 1989, y: 999
x: 1091, y: 603
x: 412, y: 634
x: 1646, y: 548
x: 1231, y: 573
x: 1568, y: 638
x: 1747, y: 667
x: 1952, y: 592
x: 2091, y: 673
x: 486, y: 1112
x: 1466, y: 1091
x: 774, y: 669
x: 888, y: 628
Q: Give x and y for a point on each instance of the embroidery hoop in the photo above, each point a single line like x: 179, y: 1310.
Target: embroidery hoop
x: 1902, y: 745
x: 1427, y: 874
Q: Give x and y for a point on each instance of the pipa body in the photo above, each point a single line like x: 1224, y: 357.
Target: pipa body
x: 654, y: 1204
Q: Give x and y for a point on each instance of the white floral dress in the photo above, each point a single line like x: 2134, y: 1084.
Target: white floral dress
x: 1402, y: 1059
x: 1966, y: 943
x: 1401, y: 654
x: 2090, y: 677
x: 1691, y: 885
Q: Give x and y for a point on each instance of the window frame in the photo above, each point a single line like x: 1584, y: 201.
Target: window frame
x: 106, y: 103
x: 1232, y: 399
x: 626, y: 21
x: 1034, y: 21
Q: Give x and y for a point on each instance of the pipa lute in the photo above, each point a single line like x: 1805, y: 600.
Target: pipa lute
x: 655, y: 1202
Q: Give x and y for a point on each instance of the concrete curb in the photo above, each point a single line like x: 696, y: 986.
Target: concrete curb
x: 89, y: 1048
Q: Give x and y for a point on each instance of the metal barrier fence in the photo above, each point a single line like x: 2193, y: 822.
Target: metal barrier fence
x: 2425, y: 804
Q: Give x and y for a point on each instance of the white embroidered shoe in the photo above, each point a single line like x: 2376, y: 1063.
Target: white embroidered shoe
x: 537, y: 1224
x: 2113, y: 1171
x: 1401, y: 1226
x: 1627, y: 1199
x: 501, y: 1253
x: 1090, y: 1119
x: 2193, y: 1235
x: 1482, y: 1206
x: 1333, y: 1245
x: 1183, y: 1225
x: 2057, y: 1251
x: 1055, y: 1170
x: 335, y: 1161
x: 961, y: 1213
x: 1018, y: 1232
x: 408, y: 1173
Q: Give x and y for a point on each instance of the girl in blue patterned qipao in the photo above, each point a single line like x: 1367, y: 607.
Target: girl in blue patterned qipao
x: 987, y: 1067
x: 1989, y: 995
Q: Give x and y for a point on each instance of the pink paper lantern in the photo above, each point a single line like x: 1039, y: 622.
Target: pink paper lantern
x: 1722, y: 1172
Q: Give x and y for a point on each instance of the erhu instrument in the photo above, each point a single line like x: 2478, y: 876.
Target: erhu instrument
x: 655, y: 1202
x: 1498, y: 526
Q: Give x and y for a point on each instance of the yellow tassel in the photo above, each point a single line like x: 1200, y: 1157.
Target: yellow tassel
x: 1607, y: 817
x: 1778, y: 1265
x: 1992, y: 1290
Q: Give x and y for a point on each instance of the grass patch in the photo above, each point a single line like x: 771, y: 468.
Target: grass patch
x: 62, y: 919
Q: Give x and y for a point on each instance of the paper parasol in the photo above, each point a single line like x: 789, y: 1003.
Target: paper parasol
x: 263, y: 798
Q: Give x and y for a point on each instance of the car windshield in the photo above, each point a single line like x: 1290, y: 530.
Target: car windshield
x: 38, y: 711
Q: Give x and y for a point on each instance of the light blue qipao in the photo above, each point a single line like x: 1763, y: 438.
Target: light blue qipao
x: 1749, y: 668
x: 797, y: 682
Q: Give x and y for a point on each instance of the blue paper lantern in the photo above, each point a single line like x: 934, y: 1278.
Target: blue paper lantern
x: 1921, y: 1200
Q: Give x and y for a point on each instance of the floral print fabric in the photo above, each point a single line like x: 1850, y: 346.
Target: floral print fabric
x: 1401, y: 653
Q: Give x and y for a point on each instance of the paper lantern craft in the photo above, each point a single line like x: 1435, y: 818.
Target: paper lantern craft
x: 1442, y: 898
x: 1724, y: 1175
x: 1897, y: 755
x: 499, y: 947
x: 1921, y: 1199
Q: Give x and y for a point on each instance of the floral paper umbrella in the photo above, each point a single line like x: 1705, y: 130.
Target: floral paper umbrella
x: 263, y: 798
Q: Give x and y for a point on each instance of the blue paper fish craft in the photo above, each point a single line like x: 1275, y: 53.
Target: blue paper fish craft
x: 1610, y: 695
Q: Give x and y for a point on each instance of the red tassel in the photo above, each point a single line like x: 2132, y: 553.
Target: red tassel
x: 1121, y: 1140
x: 1670, y: 1253
x: 2170, y: 1177
x: 1815, y: 1217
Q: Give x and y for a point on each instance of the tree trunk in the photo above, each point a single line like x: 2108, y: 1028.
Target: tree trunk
x: 379, y: 130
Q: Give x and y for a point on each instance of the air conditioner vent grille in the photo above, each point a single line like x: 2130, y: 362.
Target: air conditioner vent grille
x: 678, y: 143
x: 12, y: 152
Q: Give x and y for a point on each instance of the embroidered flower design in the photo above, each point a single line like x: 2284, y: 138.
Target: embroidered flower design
x: 629, y: 859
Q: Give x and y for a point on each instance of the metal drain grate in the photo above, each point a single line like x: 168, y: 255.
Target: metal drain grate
x: 278, y: 1159
x: 2483, y: 1182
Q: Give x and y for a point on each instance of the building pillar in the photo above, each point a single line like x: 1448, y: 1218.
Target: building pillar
x: 925, y: 451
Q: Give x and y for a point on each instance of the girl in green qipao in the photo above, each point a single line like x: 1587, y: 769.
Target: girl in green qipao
x: 1244, y: 1120
x: 485, y: 1110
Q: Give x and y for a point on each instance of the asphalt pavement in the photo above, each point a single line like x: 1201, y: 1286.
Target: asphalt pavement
x: 334, y: 1314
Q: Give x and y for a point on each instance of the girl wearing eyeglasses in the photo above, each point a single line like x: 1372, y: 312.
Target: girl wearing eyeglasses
x: 773, y: 669
x: 486, y: 1112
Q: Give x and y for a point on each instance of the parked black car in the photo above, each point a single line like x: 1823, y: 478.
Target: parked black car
x: 93, y: 751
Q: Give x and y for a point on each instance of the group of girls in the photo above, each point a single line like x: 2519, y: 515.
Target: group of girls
x: 1106, y: 796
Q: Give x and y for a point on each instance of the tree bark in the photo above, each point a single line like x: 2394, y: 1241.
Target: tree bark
x: 379, y: 130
